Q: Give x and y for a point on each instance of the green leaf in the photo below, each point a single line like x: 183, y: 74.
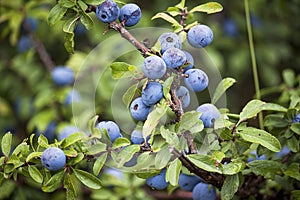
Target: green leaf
x: 255, y: 106
x: 67, y: 3
x: 54, y: 182
x: 170, y: 137
x: 233, y: 167
x: 96, y: 148
x: 88, y: 179
x: 293, y: 171
x: 295, y: 127
x: 296, y: 194
x: 6, y: 144
x: 173, y: 172
x: 153, y: 118
x: 56, y: 13
x: 69, y: 42
x: 99, y: 163
x: 181, y: 4
x: 77, y: 159
x: 293, y: 144
x: 70, y: 24
x: 35, y: 174
x: 221, y: 88
x: 121, y: 69
x: 289, y: 77
x: 69, y: 186
x: 174, y: 11
x: 190, y: 121
x: 43, y: 141
x: 86, y: 20
x: 251, y: 109
x: 266, y: 168
x: 73, y: 138
x: 204, y: 162
x: 22, y: 149
x: 275, y: 120
x: 129, y: 94
x: 121, y: 142
x: 93, y: 2
x: 209, y: 8
x: 261, y: 137
x: 167, y: 86
x: 230, y: 187
x: 33, y: 155
x: 168, y: 18
x: 162, y: 157
x: 126, y: 154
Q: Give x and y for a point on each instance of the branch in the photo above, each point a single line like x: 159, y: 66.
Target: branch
x: 215, y: 179
x: 125, y: 34
x: 43, y: 54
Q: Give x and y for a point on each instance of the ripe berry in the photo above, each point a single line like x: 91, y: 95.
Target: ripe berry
x: 112, y: 128
x: 67, y: 131
x: 62, y: 76
x: 189, y: 59
x: 209, y: 114
x: 184, y: 96
x: 53, y: 159
x: 131, y: 13
x: 196, y: 80
x: 200, y: 36
x: 203, y: 191
x: 152, y: 93
x: 174, y: 57
x: 108, y: 11
x: 139, y: 111
x: 169, y: 40
x: 188, y: 182
x: 158, y: 181
x: 154, y: 67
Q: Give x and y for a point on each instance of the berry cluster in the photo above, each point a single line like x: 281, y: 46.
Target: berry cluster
x: 190, y: 183
x: 109, y: 11
x: 171, y: 59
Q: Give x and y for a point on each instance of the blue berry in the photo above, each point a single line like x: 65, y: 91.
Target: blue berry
x: 283, y: 152
x: 137, y: 137
x: 158, y: 181
x: 254, y: 156
x: 200, y: 36
x: 230, y: 28
x: 154, y: 67
x: 112, y: 128
x: 152, y: 93
x: 62, y: 76
x: 49, y: 133
x: 183, y: 95
x: 30, y: 24
x: 188, y: 182
x: 203, y: 191
x: 53, y: 159
x: 72, y: 97
x: 189, y: 59
x: 174, y: 57
x: 67, y: 131
x: 209, y: 114
x: 108, y: 11
x: 169, y: 40
x: 24, y: 44
x: 139, y: 111
x: 296, y: 119
x: 196, y: 80
x: 131, y: 13
x: 116, y: 173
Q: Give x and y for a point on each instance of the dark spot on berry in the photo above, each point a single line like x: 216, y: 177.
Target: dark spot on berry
x: 103, y: 16
x: 47, y: 165
x: 136, y: 13
x: 136, y: 106
x: 169, y: 39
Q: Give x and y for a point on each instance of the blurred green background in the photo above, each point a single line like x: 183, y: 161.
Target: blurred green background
x: 29, y: 100
x: 31, y: 103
